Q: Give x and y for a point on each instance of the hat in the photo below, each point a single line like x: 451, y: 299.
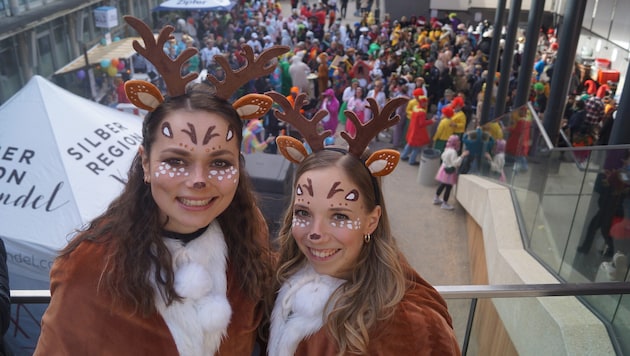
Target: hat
x: 418, y: 92
x: 448, y: 111
x: 458, y: 102
x: 254, y: 35
x: 539, y: 86
x: 295, y: 90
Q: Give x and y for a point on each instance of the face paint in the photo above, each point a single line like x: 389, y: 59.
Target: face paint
x: 329, y: 220
x: 195, y: 168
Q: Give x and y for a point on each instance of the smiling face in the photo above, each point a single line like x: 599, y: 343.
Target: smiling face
x: 193, y: 168
x: 330, y: 220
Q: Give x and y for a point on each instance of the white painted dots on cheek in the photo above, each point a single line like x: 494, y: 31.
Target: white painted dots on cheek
x: 300, y: 222
x: 165, y: 169
x: 348, y: 224
x: 229, y: 174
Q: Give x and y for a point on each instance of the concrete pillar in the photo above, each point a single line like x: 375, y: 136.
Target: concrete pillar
x: 492, y: 62
x: 620, y: 133
x: 508, y: 57
x: 14, y: 7
x: 529, y: 54
x: 24, y: 53
x: 563, y: 68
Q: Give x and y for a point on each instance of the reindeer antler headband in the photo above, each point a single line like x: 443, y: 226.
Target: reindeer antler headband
x: 147, y: 96
x: 380, y: 163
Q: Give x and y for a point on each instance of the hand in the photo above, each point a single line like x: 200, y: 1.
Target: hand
x: 465, y: 153
x: 488, y: 156
x: 270, y: 139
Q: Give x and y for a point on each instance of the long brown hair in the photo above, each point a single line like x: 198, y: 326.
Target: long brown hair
x: 354, y: 313
x: 132, y: 229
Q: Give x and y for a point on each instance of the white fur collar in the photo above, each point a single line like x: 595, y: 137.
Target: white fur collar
x: 199, y: 322
x: 299, y: 309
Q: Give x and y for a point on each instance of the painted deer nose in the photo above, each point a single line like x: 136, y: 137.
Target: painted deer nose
x: 314, y: 236
x: 199, y: 185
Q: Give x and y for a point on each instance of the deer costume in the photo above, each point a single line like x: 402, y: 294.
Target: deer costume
x: 306, y: 300
x: 212, y: 312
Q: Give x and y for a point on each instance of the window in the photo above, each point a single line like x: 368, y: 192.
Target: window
x: 10, y: 78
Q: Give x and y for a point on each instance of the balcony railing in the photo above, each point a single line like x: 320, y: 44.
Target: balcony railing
x: 470, y: 344
x: 565, y: 195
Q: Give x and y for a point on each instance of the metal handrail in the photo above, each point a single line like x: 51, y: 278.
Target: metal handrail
x: 472, y: 292
x: 447, y: 291
x: 532, y: 290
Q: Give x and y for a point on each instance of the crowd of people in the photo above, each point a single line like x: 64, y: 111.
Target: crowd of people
x: 181, y: 262
x: 385, y: 58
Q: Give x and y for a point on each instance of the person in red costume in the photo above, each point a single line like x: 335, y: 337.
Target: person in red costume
x: 518, y: 144
x: 418, y: 133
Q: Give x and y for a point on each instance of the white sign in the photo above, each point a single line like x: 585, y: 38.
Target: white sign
x: 106, y: 17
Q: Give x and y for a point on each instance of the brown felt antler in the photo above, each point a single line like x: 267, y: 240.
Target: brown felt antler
x: 153, y: 51
x: 366, y: 132
x: 291, y: 114
x: 255, y: 67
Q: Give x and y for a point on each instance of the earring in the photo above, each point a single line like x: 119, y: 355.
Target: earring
x: 146, y: 180
x: 367, y: 238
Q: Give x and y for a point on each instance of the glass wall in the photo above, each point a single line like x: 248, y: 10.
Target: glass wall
x: 574, y: 209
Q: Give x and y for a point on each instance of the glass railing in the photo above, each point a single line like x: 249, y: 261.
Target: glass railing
x: 472, y: 308
x: 572, y: 204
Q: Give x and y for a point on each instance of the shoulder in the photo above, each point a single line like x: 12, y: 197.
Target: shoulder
x: 420, y: 325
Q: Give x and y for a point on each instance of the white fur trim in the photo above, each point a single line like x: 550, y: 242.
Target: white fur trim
x: 199, y: 322
x: 299, y: 309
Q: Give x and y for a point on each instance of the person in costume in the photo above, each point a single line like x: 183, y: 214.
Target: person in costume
x: 252, y: 138
x: 447, y: 173
x: 444, y: 129
x: 517, y: 144
x: 179, y: 263
x: 417, y: 134
x: 343, y: 285
x: 357, y: 105
x: 330, y: 104
x: 458, y: 121
x: 497, y: 161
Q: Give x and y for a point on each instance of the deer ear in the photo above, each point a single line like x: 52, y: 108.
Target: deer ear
x: 292, y: 149
x: 383, y: 162
x: 252, y: 106
x: 143, y: 94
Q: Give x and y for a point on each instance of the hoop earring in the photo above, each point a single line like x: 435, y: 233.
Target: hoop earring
x: 367, y: 238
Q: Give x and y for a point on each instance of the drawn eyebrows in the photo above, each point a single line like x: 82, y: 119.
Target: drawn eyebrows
x: 334, y: 190
x: 183, y: 152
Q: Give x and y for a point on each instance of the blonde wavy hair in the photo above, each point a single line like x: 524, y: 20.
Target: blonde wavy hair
x: 353, y: 312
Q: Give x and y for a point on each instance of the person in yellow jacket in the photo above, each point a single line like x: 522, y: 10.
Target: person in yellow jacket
x: 458, y: 122
x: 444, y: 129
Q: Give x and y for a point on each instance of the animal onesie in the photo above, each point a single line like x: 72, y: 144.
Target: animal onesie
x: 420, y: 325
x: 322, y: 73
x: 215, y: 316
x: 330, y: 104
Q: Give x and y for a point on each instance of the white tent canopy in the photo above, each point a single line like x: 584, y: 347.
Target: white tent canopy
x: 196, y: 5
x: 63, y: 158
